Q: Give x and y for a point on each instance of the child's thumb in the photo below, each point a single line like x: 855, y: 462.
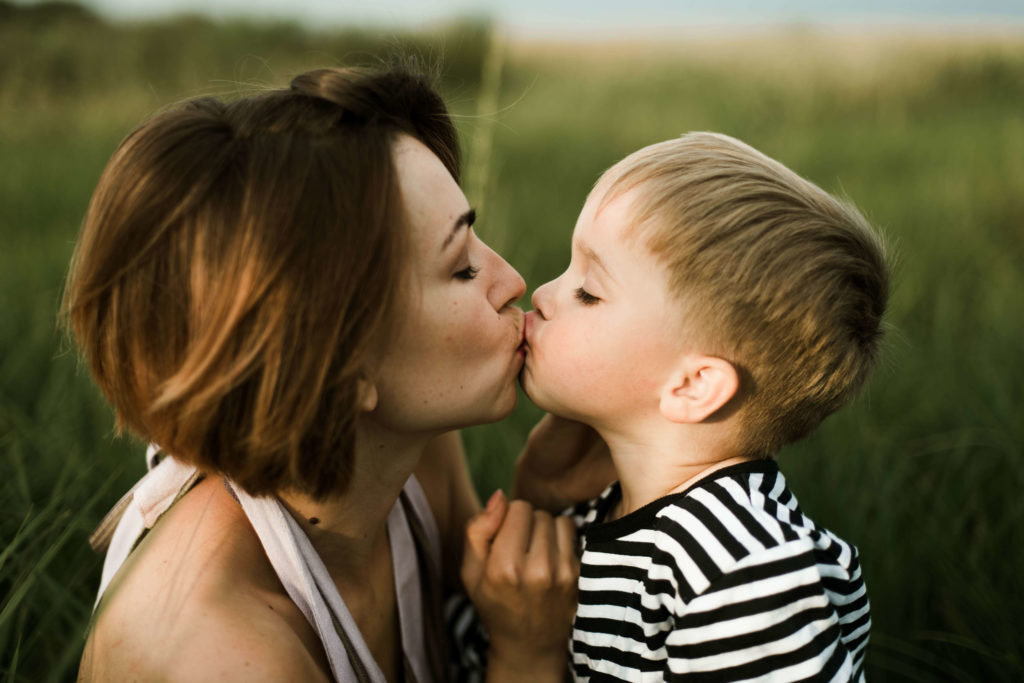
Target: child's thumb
x: 480, y: 532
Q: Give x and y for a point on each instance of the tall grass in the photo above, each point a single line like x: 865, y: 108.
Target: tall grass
x: 927, y: 137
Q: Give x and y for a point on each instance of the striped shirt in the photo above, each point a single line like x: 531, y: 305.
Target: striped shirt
x: 727, y: 580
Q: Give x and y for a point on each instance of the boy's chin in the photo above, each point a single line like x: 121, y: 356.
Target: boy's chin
x: 541, y: 400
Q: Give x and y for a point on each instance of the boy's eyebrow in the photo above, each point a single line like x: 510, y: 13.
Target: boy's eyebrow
x: 465, y: 220
x: 591, y: 255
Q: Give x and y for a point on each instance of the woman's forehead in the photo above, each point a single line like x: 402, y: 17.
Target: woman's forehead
x: 433, y: 202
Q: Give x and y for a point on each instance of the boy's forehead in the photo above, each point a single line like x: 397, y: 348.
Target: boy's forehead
x: 605, y: 236
x: 612, y: 215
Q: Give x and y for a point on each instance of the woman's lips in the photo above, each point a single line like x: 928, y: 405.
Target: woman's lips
x: 527, y: 325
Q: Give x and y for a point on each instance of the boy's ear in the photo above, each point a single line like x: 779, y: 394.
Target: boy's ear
x: 367, y: 392
x: 699, y: 386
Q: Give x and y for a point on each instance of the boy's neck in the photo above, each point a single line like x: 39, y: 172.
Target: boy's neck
x: 664, y: 463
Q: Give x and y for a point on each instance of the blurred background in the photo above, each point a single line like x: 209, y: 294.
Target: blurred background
x: 914, y: 110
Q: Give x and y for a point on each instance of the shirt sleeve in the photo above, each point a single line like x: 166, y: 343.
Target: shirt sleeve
x: 770, y: 614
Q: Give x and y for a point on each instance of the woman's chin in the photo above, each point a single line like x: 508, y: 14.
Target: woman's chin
x: 507, y: 403
x: 498, y: 408
x: 532, y: 392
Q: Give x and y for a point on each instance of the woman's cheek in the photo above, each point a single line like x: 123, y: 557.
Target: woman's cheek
x: 468, y: 336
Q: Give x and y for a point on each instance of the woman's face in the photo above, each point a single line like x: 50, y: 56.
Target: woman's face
x: 456, y: 352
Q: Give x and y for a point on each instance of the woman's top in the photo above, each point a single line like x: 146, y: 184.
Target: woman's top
x: 415, y: 550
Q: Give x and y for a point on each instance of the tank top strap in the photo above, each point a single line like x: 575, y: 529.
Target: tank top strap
x: 309, y: 585
x: 416, y: 557
x: 137, y: 511
x: 420, y: 594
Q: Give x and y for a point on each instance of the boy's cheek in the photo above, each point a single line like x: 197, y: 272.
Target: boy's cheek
x: 548, y: 380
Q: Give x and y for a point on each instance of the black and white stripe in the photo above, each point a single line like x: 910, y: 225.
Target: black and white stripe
x: 725, y: 581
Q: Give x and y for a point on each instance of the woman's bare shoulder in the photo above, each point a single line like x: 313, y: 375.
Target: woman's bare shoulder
x: 216, y: 645
x: 196, y: 601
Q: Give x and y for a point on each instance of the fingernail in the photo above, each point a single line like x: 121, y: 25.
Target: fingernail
x: 492, y: 502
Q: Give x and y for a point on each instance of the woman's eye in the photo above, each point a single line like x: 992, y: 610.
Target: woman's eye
x: 467, y: 273
x: 585, y: 297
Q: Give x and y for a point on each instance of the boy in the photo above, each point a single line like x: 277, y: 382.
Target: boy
x: 716, y: 307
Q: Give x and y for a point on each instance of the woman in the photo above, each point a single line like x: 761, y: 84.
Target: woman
x: 285, y: 293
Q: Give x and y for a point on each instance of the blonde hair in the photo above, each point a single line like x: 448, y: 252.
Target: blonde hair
x: 772, y: 273
x: 237, y: 263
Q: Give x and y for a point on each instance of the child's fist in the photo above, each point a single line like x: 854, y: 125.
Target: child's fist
x: 520, y: 569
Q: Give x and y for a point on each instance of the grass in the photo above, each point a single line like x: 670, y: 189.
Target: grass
x: 926, y: 134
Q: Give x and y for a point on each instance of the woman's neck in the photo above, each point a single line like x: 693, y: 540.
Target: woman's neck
x: 348, y: 530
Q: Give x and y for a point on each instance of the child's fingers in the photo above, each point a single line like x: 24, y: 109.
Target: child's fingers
x: 542, y: 555
x: 508, y: 551
x: 482, y: 528
x: 480, y: 533
x: 567, y: 561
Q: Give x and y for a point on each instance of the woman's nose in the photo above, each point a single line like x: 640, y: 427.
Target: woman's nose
x: 509, y: 286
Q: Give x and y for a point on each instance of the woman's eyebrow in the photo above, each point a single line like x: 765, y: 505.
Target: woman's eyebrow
x: 465, y: 220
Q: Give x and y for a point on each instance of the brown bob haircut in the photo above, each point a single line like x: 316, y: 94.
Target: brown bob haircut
x: 238, y: 263
x: 772, y: 273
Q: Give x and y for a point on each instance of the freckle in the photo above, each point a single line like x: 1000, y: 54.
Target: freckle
x: 314, y: 520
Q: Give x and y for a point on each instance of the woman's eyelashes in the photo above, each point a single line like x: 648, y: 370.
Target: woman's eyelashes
x: 467, y: 273
x: 585, y: 297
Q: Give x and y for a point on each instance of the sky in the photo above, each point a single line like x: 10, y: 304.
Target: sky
x: 583, y: 17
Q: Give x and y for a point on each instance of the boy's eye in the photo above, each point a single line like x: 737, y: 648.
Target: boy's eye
x: 585, y: 297
x: 467, y: 273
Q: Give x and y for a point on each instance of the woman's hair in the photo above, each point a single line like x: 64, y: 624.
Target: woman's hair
x: 773, y: 273
x: 239, y: 261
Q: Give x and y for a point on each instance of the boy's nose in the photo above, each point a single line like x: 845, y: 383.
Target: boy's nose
x: 541, y: 299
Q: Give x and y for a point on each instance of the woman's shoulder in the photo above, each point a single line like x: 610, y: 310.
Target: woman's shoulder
x: 198, y: 600
x: 213, y: 644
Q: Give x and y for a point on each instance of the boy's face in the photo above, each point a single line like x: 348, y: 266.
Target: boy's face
x: 603, y: 337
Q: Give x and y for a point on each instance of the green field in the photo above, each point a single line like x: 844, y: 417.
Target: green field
x: 924, y: 132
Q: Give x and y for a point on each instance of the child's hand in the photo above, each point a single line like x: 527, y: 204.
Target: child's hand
x: 520, y: 570
x: 564, y: 462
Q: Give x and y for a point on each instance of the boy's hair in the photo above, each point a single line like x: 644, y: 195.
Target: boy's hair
x: 237, y: 263
x: 774, y: 274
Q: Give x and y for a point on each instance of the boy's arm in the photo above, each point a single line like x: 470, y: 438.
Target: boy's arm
x: 772, y: 615
x: 564, y: 463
